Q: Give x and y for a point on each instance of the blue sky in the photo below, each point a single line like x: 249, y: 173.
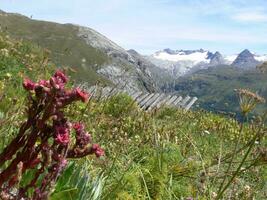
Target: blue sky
x: 150, y: 25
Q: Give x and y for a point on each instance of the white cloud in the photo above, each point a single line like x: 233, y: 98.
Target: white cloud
x: 250, y: 17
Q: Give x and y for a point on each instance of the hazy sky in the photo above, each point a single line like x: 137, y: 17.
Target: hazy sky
x: 150, y: 25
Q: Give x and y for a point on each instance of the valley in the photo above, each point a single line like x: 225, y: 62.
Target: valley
x: 93, y: 58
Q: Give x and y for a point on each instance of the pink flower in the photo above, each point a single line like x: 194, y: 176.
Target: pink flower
x: 53, y: 83
x: 63, y: 139
x: 60, y: 76
x: 87, y: 138
x: 62, y: 135
x: 78, y: 127
x: 44, y: 83
x: 61, y: 130
x: 28, y: 84
x: 83, y: 96
x: 97, y: 150
x: 59, y: 80
x: 82, y: 138
x: 46, y: 115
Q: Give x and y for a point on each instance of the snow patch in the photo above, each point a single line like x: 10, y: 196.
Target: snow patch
x: 261, y: 58
x: 196, y: 57
x: 230, y: 58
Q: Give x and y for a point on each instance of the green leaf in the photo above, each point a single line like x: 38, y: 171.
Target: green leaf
x: 68, y: 194
x: 65, y: 177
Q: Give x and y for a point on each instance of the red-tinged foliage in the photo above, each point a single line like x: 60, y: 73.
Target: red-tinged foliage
x: 28, y: 84
x: 33, y: 149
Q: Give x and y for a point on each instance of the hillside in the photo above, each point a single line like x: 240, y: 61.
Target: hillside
x: 19, y: 60
x: 215, y: 86
x: 164, y: 154
x: 93, y: 56
x: 68, y: 50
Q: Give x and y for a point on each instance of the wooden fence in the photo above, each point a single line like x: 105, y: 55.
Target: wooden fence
x: 147, y: 101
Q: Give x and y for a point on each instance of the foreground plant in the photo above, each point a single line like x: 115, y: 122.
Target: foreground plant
x: 45, y: 141
x: 247, y: 102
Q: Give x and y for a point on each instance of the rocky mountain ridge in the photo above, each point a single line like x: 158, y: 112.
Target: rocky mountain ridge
x: 181, y: 62
x: 95, y: 58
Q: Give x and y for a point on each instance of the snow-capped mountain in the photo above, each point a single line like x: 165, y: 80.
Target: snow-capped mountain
x: 245, y: 60
x: 216, y: 58
x: 180, y: 62
x: 194, y: 56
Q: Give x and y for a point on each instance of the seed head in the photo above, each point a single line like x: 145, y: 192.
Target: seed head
x: 248, y: 100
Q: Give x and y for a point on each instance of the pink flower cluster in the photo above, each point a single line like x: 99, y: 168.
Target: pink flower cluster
x: 57, y: 83
x: 97, y: 150
x: 83, y: 138
x: 62, y: 135
x: 32, y: 148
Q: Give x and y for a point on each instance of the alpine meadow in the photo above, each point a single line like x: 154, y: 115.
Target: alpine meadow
x: 180, y: 115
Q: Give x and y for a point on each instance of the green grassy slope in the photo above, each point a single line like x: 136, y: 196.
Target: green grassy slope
x: 165, y: 154
x: 69, y: 49
x: 215, y: 86
x: 19, y: 60
x: 61, y: 39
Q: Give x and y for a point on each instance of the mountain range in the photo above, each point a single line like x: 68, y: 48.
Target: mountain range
x: 181, y: 62
x: 211, y: 76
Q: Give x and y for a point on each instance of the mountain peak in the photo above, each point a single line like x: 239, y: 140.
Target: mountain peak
x: 245, y: 60
x: 216, y: 58
x: 169, y: 51
x: 217, y: 53
x: 246, y: 52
